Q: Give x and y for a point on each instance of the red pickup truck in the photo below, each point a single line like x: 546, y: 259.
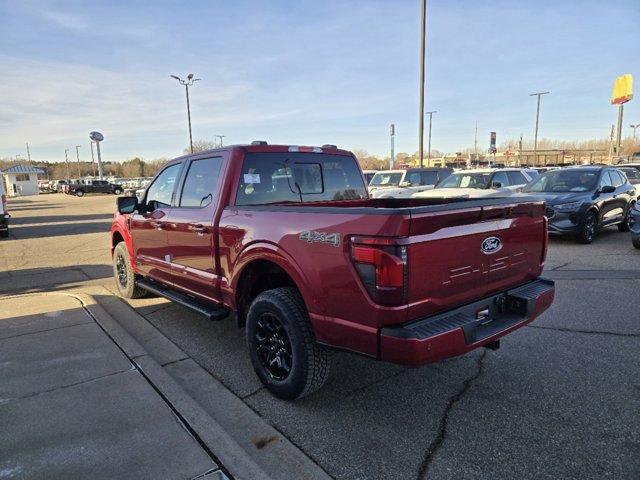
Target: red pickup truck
x: 287, y: 238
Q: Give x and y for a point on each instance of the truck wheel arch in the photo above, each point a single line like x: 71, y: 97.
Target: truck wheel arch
x: 263, y: 269
x: 117, y: 236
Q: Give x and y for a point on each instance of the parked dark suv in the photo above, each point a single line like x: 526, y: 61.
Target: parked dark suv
x: 581, y: 200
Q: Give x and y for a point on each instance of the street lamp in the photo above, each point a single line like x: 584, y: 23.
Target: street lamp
x: 187, y: 83
x: 429, y: 148
x: 423, y: 23
x: 535, y: 138
x: 634, y: 130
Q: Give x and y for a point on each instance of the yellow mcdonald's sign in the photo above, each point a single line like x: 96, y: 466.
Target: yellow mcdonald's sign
x: 622, y: 89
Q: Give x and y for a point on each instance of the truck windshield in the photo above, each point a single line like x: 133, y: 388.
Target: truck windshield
x: 574, y: 180
x: 298, y: 177
x: 466, y: 180
x: 386, y: 179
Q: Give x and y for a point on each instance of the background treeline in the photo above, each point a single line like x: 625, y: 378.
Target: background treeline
x: 139, y: 167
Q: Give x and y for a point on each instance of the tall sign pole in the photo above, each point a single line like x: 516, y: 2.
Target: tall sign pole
x: 78, y: 157
x: 423, y: 23
x: 93, y: 159
x: 393, y: 151
x: 492, y: 147
x: 621, y: 94
x: 98, y: 137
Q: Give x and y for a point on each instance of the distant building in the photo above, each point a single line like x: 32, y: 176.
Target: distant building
x: 21, y: 180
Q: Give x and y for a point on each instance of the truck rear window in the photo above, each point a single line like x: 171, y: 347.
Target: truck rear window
x: 298, y: 177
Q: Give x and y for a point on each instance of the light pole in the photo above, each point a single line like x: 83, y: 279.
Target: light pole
x: 66, y: 160
x: 634, y: 130
x: 220, y: 137
x: 535, y: 138
x: 187, y: 83
x: 423, y: 26
x: 429, y: 148
x: 78, y: 157
x: 393, y: 148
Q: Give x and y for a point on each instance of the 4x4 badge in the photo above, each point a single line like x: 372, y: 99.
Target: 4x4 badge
x: 320, y: 237
x: 491, y: 245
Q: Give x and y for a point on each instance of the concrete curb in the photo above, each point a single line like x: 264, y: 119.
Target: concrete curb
x: 228, y: 454
x: 270, y: 449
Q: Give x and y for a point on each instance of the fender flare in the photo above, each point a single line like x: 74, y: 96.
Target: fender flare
x: 278, y: 256
x: 126, y: 236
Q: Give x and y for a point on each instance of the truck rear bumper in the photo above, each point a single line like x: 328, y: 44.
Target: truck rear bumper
x: 461, y: 330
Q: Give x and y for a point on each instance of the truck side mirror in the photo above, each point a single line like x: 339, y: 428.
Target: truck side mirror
x: 127, y: 204
x: 608, y: 189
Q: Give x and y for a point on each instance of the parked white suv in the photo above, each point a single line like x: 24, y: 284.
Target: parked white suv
x: 404, y: 183
x: 485, y: 182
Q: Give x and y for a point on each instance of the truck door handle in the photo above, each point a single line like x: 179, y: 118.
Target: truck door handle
x: 198, y: 228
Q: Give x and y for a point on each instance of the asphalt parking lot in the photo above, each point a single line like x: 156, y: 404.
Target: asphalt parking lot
x: 559, y: 399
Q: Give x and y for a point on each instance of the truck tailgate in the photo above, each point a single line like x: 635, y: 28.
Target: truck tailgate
x: 462, y: 254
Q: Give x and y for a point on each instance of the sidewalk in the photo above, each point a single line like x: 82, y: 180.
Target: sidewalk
x: 73, y: 405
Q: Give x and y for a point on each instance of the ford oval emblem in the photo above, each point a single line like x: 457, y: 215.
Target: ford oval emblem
x: 491, y: 245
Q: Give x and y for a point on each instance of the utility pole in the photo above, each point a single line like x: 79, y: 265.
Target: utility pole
x: 535, y: 138
x: 429, y: 152
x: 220, y: 137
x: 423, y: 26
x: 634, y: 130
x: 475, y: 143
x: 393, y: 152
x: 66, y: 160
x: 29, y: 153
x: 520, y: 151
x: 93, y: 159
x: 187, y: 83
x: 78, y: 157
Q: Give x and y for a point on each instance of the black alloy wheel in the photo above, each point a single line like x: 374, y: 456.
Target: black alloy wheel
x: 273, y: 347
x: 589, y: 227
x: 121, y: 271
x: 625, y: 225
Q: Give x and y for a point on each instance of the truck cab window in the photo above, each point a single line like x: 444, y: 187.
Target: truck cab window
x: 201, y: 182
x: 160, y: 192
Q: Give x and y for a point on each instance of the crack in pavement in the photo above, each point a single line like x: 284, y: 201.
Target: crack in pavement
x: 589, y: 332
x: 437, y: 442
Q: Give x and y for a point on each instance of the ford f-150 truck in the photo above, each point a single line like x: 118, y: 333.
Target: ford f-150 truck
x: 287, y: 239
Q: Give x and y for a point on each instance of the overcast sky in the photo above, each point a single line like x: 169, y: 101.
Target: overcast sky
x: 307, y: 72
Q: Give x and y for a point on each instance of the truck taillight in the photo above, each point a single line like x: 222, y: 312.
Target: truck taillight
x: 383, y: 271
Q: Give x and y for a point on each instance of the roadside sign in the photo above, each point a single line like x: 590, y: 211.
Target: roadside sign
x: 622, y: 89
x: 492, y: 143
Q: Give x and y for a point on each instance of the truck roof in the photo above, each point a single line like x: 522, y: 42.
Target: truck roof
x: 263, y: 147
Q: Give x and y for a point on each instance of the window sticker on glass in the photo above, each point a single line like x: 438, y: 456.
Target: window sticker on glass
x: 251, y: 178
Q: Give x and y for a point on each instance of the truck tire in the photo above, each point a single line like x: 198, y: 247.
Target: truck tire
x: 79, y: 193
x: 588, y: 228
x: 5, y: 233
x: 117, y: 191
x: 123, y: 273
x: 636, y: 243
x: 283, y: 351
